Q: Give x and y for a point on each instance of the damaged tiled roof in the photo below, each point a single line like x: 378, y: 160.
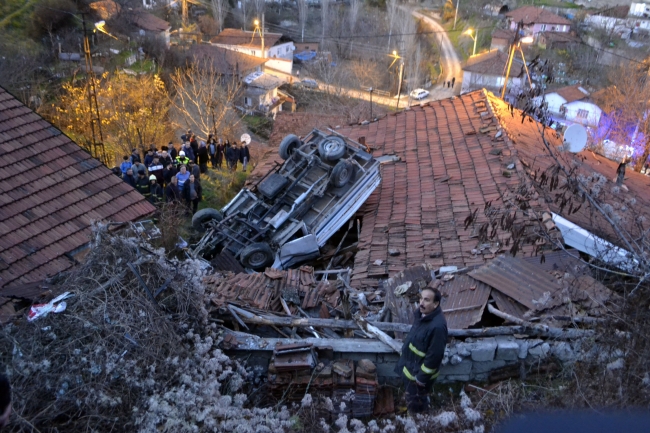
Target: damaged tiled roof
x: 50, y: 191
x: 534, y: 15
x: 446, y: 201
x: 245, y: 38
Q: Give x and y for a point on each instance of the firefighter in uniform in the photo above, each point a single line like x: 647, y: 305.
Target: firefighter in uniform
x: 423, y: 350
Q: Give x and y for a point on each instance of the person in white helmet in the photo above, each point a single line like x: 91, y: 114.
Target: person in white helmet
x: 181, y: 159
x: 155, y: 190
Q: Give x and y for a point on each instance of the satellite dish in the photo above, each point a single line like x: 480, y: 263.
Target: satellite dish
x: 575, y: 138
x: 245, y: 138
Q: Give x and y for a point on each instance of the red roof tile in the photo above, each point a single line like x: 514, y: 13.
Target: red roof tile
x: 448, y: 171
x: 534, y: 15
x: 50, y: 190
x: 245, y: 38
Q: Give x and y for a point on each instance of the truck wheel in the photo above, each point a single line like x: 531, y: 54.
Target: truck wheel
x: 341, y: 174
x: 288, y: 144
x: 203, y: 217
x: 332, y: 148
x: 257, y: 256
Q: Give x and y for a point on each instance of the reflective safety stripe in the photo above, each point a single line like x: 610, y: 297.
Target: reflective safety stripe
x: 416, y: 351
x: 428, y: 370
x: 435, y: 376
x: 407, y: 373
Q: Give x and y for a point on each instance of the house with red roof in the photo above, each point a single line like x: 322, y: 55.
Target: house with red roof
x: 537, y: 20
x: 486, y: 70
x: 277, y: 49
x: 572, y: 104
x: 51, y: 191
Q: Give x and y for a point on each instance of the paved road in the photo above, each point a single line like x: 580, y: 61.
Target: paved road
x: 450, y: 61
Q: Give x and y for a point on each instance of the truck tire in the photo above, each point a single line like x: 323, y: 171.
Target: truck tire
x: 257, y: 256
x: 288, y: 144
x: 331, y: 148
x: 341, y: 174
x: 204, y: 216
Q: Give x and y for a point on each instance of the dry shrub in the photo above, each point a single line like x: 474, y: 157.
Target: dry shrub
x: 115, y: 360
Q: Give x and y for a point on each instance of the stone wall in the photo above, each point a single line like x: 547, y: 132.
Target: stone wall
x: 469, y: 360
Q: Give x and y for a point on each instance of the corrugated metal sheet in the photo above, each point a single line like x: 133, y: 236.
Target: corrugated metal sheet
x: 522, y: 281
x: 463, y: 301
x: 401, y: 306
x: 508, y: 305
x: 561, y: 260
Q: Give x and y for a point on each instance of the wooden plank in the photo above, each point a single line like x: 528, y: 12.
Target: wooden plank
x: 247, y: 342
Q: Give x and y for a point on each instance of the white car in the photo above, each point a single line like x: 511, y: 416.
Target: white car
x: 419, y: 94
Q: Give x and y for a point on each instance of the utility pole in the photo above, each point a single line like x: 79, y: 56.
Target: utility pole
x: 370, y: 89
x: 184, y: 12
x: 97, y: 149
x: 262, y: 35
x: 516, y: 46
x: 456, y: 14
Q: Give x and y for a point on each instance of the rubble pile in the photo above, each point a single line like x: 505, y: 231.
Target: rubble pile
x: 298, y: 369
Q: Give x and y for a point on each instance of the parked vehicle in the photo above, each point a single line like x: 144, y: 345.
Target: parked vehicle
x: 309, y: 83
x: 292, y: 211
x: 419, y: 94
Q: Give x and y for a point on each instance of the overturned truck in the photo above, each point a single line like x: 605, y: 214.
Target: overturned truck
x: 293, y: 210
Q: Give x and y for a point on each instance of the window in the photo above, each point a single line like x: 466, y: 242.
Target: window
x: 583, y: 114
x: 248, y: 101
x: 542, y: 27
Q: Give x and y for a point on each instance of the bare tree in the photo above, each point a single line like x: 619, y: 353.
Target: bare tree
x: 353, y: 14
x: 204, y: 100
x: 391, y: 9
x: 260, y: 7
x: 627, y: 104
x: 325, y: 18
x: 219, y: 10
x: 303, y: 8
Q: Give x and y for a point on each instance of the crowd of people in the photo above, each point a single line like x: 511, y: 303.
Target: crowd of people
x: 170, y: 175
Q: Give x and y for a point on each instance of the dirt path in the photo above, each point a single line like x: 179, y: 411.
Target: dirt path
x: 450, y: 61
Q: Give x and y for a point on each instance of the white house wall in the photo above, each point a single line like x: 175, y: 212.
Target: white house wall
x: 554, y: 102
x: 281, y: 65
x: 592, y: 119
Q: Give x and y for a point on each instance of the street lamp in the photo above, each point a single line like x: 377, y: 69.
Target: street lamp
x: 469, y: 32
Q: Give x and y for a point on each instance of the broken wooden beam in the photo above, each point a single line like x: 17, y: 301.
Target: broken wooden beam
x: 248, y: 342
x: 535, y: 331
x: 374, y: 332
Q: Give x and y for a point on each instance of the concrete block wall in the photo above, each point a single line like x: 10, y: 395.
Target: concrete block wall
x: 474, y: 359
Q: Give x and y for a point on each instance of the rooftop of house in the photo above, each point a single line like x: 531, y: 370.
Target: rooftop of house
x: 492, y: 63
x: 534, y: 15
x: 224, y: 61
x: 468, y: 166
x: 263, y: 80
x: 147, y: 21
x: 571, y: 93
x: 503, y: 34
x: 50, y: 192
x: 454, y: 180
x: 245, y: 38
